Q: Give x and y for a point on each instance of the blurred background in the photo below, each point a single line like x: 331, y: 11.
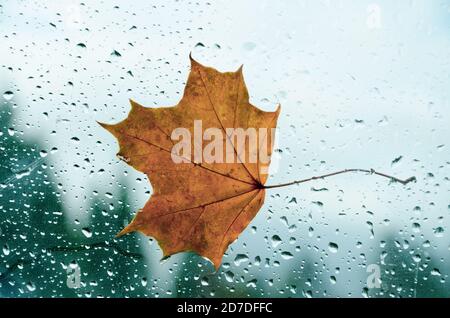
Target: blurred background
x: 361, y: 84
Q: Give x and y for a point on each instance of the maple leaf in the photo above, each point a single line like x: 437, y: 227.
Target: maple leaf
x: 203, y: 205
x: 197, y: 206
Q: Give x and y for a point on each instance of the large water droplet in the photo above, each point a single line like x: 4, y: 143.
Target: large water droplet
x: 276, y: 240
x: 240, y: 258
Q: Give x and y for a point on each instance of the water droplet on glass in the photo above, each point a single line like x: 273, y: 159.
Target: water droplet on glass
x: 435, y: 272
x: 87, y: 232
x: 8, y: 95
x: 115, y: 53
x: 31, y: 287
x: 439, y: 231
x: 276, y: 240
x: 6, y: 249
x: 287, y: 255
x: 205, y: 281
x: 251, y: 283
x: 333, y: 247
x: 229, y: 276
x: 23, y: 173
x: 240, y: 258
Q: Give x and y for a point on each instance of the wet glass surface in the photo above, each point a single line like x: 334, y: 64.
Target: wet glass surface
x: 361, y: 85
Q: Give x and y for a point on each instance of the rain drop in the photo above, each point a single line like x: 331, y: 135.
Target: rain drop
x: 8, y: 95
x: 87, y: 232
x: 333, y: 247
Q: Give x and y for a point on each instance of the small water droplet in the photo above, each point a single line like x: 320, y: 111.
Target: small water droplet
x: 6, y: 249
x: 251, y: 283
x: 229, y: 276
x: 23, y: 173
x: 287, y: 255
x: 8, y: 95
x: 31, y: 286
x: 87, y: 232
x: 276, y: 240
x: 435, y: 272
x: 109, y: 195
x: 205, y: 281
x: 416, y: 227
x: 365, y: 292
x: 333, y: 247
x: 115, y: 53
x: 439, y: 231
x: 240, y: 258
x: 396, y: 160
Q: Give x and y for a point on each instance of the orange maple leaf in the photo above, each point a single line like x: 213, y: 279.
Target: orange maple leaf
x: 203, y: 205
x: 196, y: 205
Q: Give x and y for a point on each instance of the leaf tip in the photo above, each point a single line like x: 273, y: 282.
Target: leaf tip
x: 128, y: 229
x: 134, y: 105
x: 193, y: 62
x: 104, y: 125
x: 278, y: 108
x: 164, y: 257
x: 215, y: 260
x: 216, y: 267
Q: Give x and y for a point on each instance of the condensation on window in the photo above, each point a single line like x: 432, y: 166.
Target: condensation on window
x: 361, y: 84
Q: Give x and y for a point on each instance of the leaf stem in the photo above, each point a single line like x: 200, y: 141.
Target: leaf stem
x: 370, y: 171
